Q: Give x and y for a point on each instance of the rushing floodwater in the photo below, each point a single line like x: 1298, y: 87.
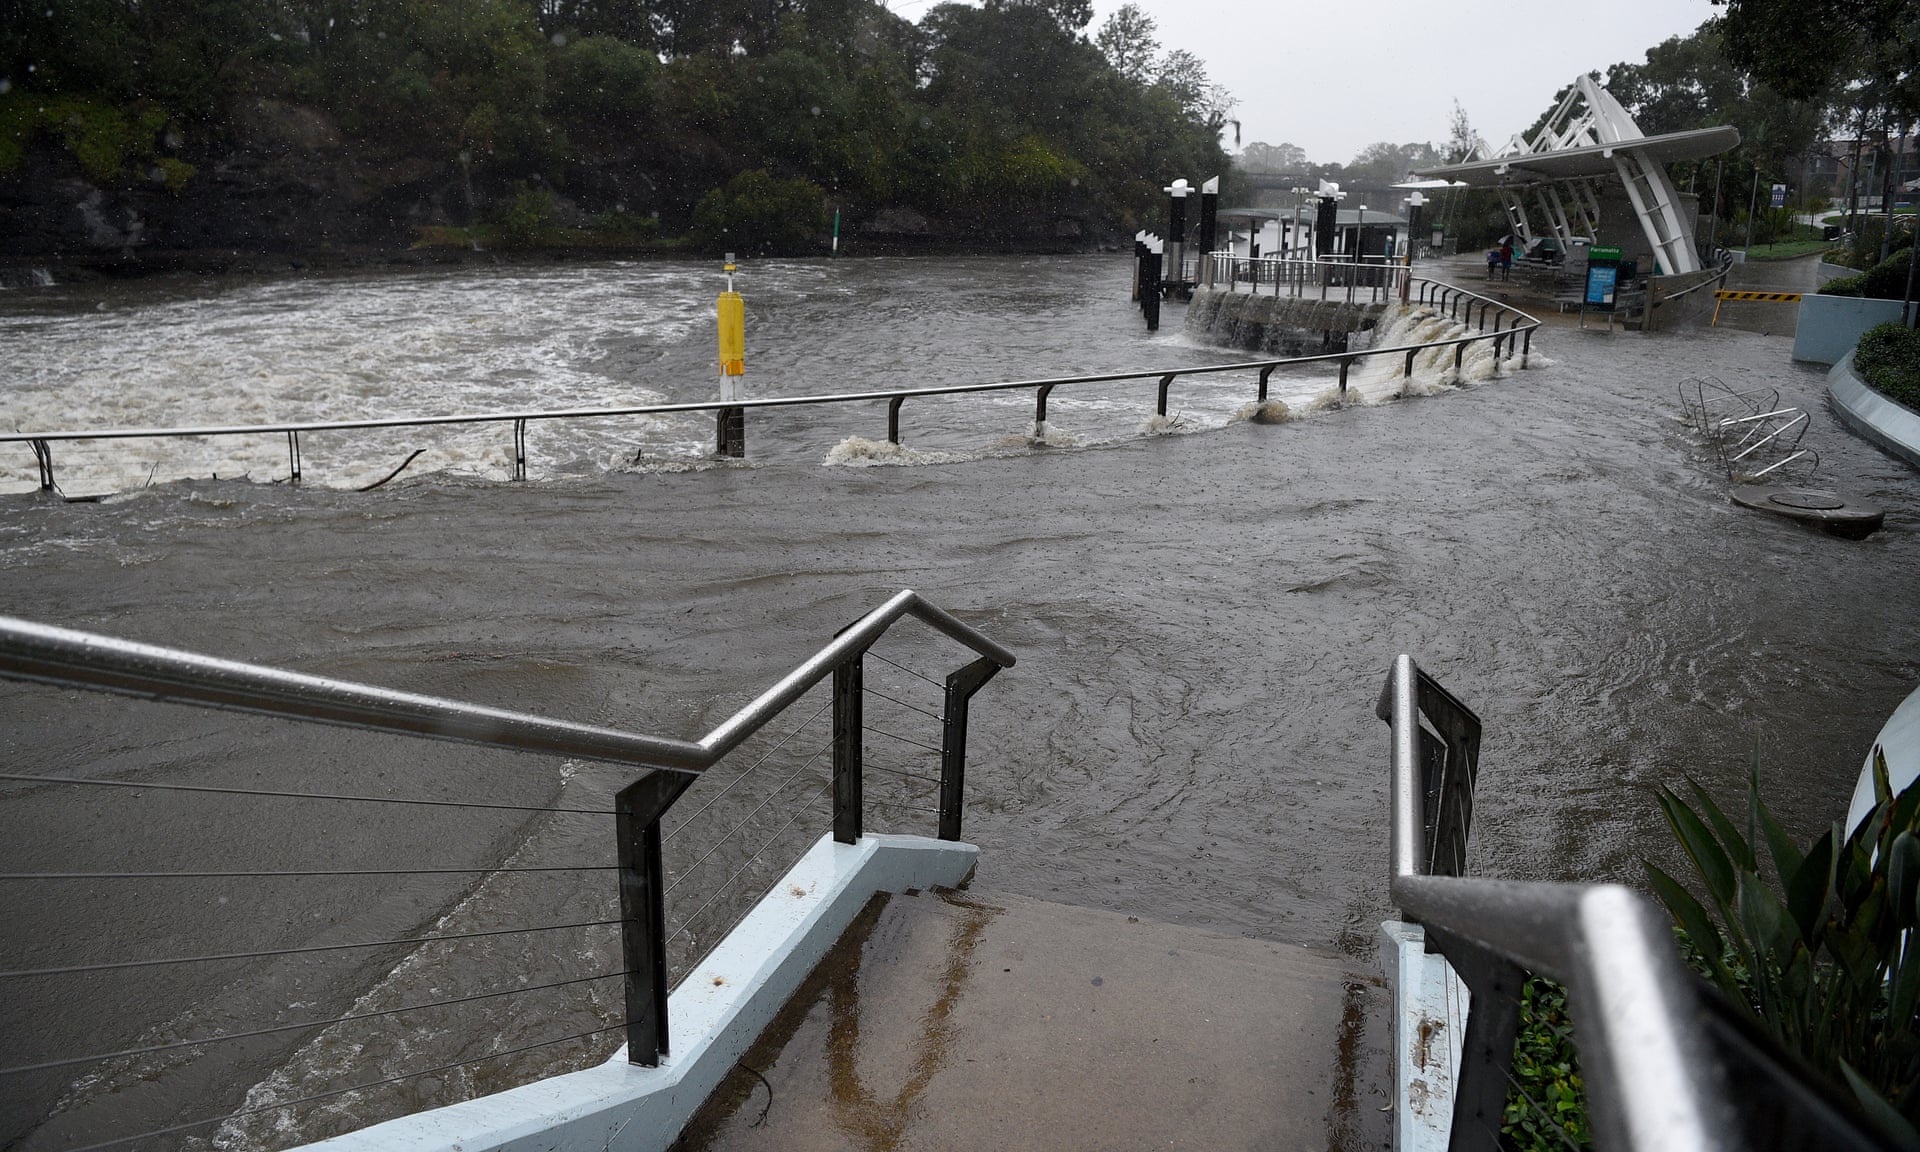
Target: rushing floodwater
x: 1203, y: 623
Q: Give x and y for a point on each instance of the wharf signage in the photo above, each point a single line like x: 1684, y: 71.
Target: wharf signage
x: 1603, y: 278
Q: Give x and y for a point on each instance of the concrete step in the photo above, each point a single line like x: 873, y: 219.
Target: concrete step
x: 982, y: 1020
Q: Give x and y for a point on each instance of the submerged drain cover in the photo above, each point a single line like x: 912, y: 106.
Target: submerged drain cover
x: 1813, y: 501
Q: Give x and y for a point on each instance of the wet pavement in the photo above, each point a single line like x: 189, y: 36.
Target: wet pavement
x: 984, y: 1020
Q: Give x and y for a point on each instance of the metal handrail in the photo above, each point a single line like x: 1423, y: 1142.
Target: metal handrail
x: 1443, y: 296
x: 73, y: 659
x: 1665, y: 1063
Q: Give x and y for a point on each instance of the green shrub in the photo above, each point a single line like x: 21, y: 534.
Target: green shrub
x: 1886, y: 280
x: 1888, y: 359
x: 101, y: 136
x: 1546, y: 1105
x: 525, y: 220
x: 756, y: 212
x: 1821, y: 961
x: 604, y: 82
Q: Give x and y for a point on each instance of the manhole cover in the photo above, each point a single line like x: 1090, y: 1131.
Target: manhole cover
x: 1813, y: 501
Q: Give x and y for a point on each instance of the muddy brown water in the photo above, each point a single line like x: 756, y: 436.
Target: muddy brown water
x: 1203, y: 623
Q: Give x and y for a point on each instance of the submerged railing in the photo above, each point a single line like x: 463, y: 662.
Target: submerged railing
x: 1512, y: 328
x: 1368, y: 279
x: 71, y: 659
x: 1666, y: 1062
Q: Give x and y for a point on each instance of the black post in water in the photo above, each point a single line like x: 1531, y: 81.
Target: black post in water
x: 1139, y: 262
x: 730, y: 432
x: 849, y: 688
x: 1325, y: 221
x: 1173, y: 257
x: 643, y: 910
x: 1150, y: 298
x: 1209, y: 215
x: 953, y: 741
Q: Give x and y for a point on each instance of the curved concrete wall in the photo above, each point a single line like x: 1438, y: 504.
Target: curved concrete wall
x: 1887, y: 423
x: 1830, y: 326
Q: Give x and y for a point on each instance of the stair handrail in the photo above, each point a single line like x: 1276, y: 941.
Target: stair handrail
x: 1666, y: 1063
x: 74, y: 659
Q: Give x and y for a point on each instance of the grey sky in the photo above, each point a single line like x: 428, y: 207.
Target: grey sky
x: 1335, y: 77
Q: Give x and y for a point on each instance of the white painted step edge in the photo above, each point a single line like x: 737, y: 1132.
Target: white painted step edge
x: 714, y: 1016
x: 1429, y: 1026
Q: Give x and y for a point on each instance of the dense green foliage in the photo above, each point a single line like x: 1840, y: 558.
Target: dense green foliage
x: 1000, y: 121
x: 1821, y: 960
x: 1888, y: 359
x: 1546, y: 1106
x: 1886, y: 280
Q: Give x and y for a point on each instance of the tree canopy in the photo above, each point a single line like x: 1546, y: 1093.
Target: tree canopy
x: 1002, y: 119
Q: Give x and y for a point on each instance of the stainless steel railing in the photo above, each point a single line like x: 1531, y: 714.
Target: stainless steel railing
x: 1667, y: 1065
x: 666, y: 768
x: 1447, y: 298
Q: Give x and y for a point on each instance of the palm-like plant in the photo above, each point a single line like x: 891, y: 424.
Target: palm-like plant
x: 1823, y: 962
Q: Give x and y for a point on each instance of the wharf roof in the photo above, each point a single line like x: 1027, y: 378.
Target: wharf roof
x: 1587, y: 160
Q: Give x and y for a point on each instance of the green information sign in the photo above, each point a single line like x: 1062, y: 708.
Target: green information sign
x: 1598, y: 253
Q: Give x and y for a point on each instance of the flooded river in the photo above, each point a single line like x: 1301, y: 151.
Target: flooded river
x: 1203, y: 623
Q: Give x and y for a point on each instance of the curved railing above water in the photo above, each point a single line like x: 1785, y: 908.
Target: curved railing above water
x: 1666, y: 1062
x: 667, y: 768
x: 1511, y: 327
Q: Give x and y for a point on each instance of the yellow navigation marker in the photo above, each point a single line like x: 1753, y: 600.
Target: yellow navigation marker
x: 732, y: 311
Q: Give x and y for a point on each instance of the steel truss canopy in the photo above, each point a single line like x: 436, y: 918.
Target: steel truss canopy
x: 1591, y: 138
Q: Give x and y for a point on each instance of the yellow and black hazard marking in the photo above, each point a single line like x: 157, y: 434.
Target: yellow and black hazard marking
x: 1723, y: 295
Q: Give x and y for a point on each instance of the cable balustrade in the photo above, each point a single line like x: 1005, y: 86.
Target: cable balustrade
x: 1512, y: 329
x: 819, y: 756
x: 1666, y: 1062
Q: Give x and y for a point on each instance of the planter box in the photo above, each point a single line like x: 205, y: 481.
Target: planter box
x: 1831, y: 325
x: 1891, y: 425
x: 1826, y: 273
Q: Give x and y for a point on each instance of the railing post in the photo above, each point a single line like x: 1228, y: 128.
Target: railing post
x: 43, y: 459
x: 293, y: 455
x: 849, y: 690
x: 1526, y: 346
x: 893, y: 419
x: 1343, y: 375
x: 961, y: 686
x: 1486, y: 1052
x: 1459, y: 351
x: 643, y: 910
x: 519, y: 449
x: 1165, y: 383
x: 1408, y: 373
x: 1264, y: 373
x: 1040, y: 407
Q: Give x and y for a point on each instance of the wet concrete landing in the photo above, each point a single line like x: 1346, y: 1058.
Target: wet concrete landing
x: 975, y: 1020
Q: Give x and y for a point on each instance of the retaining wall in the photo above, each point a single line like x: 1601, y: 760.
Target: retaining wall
x: 1891, y: 425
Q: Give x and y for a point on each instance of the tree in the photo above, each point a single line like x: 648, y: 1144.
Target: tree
x: 1463, y: 143
x: 1806, y: 49
x: 1127, y: 41
x: 1283, y: 159
x: 1184, y: 77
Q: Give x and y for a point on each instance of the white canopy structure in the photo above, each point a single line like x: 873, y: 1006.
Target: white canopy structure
x: 1591, y: 138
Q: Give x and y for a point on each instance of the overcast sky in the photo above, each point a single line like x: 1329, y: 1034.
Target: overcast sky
x: 1334, y: 77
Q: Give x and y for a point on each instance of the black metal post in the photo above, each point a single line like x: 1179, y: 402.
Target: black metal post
x: 1343, y: 376
x: 1264, y: 373
x: 293, y: 455
x: 643, y: 910
x: 43, y: 459
x: 1324, y: 222
x: 1165, y: 383
x: 1486, y: 1052
x: 1150, y: 290
x: 1040, y: 407
x: 849, y: 690
x: 961, y: 686
x: 1209, y: 215
x: 893, y: 419
x: 730, y: 431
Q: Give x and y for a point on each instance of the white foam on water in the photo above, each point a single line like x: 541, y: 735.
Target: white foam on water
x: 1042, y: 433
x: 1174, y: 425
x: 860, y: 452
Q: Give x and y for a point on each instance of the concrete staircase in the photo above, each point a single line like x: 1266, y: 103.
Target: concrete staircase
x: 966, y: 1019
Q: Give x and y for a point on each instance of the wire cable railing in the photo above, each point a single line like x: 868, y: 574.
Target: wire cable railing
x: 1666, y: 1064
x: 1394, y: 279
x: 746, y: 817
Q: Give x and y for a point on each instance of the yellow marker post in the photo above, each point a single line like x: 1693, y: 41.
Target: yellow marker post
x: 731, y: 312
